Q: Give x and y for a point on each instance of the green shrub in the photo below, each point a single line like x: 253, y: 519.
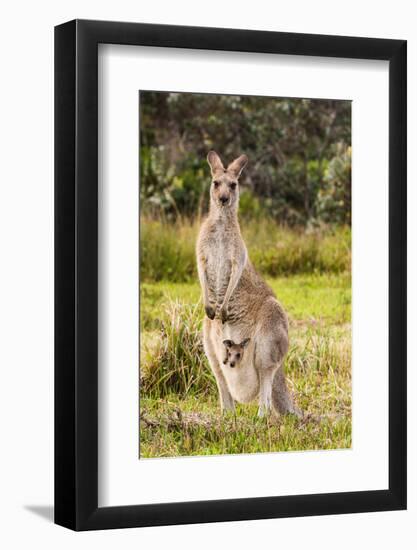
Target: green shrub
x: 289, y: 141
x: 334, y: 199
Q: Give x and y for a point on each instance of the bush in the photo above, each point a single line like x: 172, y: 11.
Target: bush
x: 289, y: 141
x: 334, y: 197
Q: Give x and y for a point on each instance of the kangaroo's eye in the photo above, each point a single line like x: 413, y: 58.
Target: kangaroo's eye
x: 216, y: 184
x: 237, y: 355
x: 233, y: 186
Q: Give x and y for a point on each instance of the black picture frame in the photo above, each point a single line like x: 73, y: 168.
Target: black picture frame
x: 76, y: 272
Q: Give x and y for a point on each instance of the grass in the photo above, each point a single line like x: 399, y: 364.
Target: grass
x: 180, y: 431
x: 314, y: 297
x: 172, y: 358
x: 179, y: 402
x: 168, y: 251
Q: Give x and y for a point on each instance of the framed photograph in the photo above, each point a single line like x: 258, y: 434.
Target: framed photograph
x: 230, y: 275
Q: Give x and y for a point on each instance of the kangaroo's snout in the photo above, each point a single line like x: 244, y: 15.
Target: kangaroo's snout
x: 224, y: 199
x: 232, y: 364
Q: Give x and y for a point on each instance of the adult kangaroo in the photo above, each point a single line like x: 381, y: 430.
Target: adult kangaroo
x: 239, y: 304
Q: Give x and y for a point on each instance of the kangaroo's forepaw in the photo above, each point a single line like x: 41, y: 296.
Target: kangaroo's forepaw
x: 223, y: 315
x: 210, y: 312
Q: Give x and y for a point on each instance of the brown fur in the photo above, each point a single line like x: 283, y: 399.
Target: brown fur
x: 239, y: 304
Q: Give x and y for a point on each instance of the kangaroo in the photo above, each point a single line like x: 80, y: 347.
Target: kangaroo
x: 234, y: 352
x: 239, y: 305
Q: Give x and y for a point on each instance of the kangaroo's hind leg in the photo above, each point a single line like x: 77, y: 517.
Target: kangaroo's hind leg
x: 209, y: 334
x: 267, y: 354
x: 282, y: 400
x: 266, y: 376
x: 272, y: 350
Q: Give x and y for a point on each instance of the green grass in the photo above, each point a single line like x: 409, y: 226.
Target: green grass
x: 179, y: 402
x: 318, y: 297
x: 168, y: 250
x: 186, y: 427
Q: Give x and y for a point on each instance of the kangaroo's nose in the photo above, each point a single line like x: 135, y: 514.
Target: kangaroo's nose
x: 224, y: 199
x: 232, y: 364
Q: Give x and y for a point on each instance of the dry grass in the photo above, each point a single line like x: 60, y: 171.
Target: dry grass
x: 179, y: 403
x: 172, y: 357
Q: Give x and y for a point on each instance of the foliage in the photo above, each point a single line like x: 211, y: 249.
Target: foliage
x: 334, y: 198
x: 292, y: 144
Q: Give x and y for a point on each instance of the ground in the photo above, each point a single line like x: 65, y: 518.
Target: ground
x: 179, y: 405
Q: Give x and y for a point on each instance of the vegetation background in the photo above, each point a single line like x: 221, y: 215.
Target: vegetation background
x: 295, y: 215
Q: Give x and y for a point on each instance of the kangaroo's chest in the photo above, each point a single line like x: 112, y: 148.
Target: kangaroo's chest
x: 219, y: 259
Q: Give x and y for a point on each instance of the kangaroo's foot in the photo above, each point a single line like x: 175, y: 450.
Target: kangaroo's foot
x: 296, y: 411
x: 284, y: 406
x: 227, y: 403
x: 263, y: 411
x: 228, y: 413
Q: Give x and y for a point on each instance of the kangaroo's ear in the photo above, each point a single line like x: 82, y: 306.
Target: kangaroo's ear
x: 245, y: 342
x: 238, y: 165
x: 228, y: 343
x: 215, y: 163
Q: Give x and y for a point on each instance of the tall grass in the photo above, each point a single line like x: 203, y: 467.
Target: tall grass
x: 172, y: 357
x: 167, y: 251
x: 173, y: 360
x: 276, y: 250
